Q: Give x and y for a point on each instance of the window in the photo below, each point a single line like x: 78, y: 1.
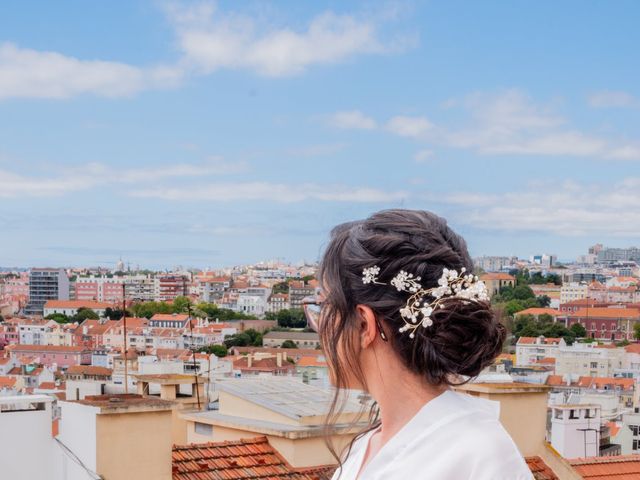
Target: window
x: 634, y: 429
x: 589, y: 413
x: 573, y: 414
x: 635, y: 445
x: 594, y: 364
x: 557, y: 413
x: 203, y: 429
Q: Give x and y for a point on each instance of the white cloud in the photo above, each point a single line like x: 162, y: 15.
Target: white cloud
x: 275, y: 192
x: 85, y: 177
x: 36, y: 74
x: 319, y: 150
x: 613, y: 99
x: 208, y: 40
x: 211, y: 40
x: 414, y: 127
x: 567, y: 209
x: 423, y: 156
x: 351, y: 119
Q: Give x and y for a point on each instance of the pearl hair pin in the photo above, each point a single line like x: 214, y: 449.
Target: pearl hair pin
x: 417, y: 311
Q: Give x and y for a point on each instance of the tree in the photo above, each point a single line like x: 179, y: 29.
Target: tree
x: 255, y: 336
x: 636, y: 331
x: 237, y: 340
x: 115, y: 313
x: 282, y: 287
x: 217, y: 350
x: 83, y: 314
x: 289, y: 344
x: 181, y: 304
x: 578, y: 330
x: 292, y: 318
x: 545, y: 318
x: 58, y: 317
x: 544, y: 301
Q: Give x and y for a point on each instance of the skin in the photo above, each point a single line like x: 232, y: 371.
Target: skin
x: 399, y: 392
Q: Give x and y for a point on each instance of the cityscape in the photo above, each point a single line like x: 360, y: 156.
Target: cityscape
x: 184, y: 184
x: 217, y: 371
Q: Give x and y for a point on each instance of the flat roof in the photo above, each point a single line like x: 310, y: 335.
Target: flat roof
x: 289, y: 397
x: 125, y: 403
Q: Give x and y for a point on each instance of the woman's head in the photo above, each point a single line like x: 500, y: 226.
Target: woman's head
x: 464, y: 338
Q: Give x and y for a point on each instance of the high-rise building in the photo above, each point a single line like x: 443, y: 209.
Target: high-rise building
x: 46, y: 284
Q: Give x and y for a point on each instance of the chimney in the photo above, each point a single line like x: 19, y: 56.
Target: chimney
x: 249, y: 360
x: 279, y: 359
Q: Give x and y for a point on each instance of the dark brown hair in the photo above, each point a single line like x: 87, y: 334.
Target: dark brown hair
x: 465, y: 336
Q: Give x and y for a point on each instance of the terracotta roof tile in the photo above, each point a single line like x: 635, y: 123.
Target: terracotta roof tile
x: 252, y: 458
x: 605, y: 468
x: 540, y: 470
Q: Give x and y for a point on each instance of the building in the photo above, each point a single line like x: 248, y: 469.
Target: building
x: 71, y: 307
x: 588, y: 359
x: 613, y: 255
x: 46, y: 284
x: 575, y: 430
x: 301, y: 339
x: 289, y: 413
x: 298, y: 290
x: 572, y: 291
x: 106, y: 288
x: 169, y: 320
x: 30, y: 451
x: 119, y: 437
x: 494, y: 264
x: 496, y: 281
x: 171, y: 286
x: 531, y: 350
x: 52, y: 355
x: 605, y: 323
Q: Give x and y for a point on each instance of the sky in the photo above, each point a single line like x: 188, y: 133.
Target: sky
x: 209, y: 134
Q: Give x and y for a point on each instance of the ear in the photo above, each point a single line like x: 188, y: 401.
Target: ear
x: 366, y: 325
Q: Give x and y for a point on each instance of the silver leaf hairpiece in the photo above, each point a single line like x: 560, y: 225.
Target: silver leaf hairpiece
x: 417, y: 311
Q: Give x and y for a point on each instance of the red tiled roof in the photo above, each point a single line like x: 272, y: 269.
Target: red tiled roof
x: 89, y: 370
x: 252, y: 458
x: 614, y: 428
x: 496, y: 276
x: 77, y: 304
x: 605, y: 468
x: 540, y: 470
x: 177, y: 317
x: 532, y: 340
x: 539, y: 311
x: 18, y: 348
x: 597, y: 312
x: 311, y: 362
x: 601, y: 382
x: 263, y: 364
x: 632, y: 348
x: 7, y: 382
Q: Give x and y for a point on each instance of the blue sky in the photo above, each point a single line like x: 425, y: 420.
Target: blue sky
x: 216, y: 133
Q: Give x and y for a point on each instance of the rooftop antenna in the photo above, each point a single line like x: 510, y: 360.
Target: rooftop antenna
x: 193, y: 352
x: 125, y: 349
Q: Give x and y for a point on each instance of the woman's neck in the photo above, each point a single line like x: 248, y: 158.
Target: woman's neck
x: 400, y: 396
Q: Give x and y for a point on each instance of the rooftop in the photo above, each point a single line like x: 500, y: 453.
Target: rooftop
x: 251, y: 458
x: 125, y: 403
x: 286, y: 396
x: 605, y: 468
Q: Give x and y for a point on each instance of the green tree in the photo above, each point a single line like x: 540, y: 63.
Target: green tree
x: 513, y: 306
x: 545, y: 318
x: 58, y: 317
x: 237, y: 340
x: 636, y: 331
x: 181, y: 304
x: 544, y: 301
x: 289, y: 344
x: 84, y: 314
x: 578, y: 330
x: 115, y: 313
x: 217, y: 350
x: 282, y: 287
x: 292, y: 318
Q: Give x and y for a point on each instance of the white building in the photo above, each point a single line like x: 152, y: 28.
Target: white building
x: 573, y: 291
x: 530, y: 350
x: 588, y: 359
x: 29, y: 451
x: 575, y: 430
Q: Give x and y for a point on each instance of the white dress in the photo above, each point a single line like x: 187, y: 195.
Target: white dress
x: 454, y: 436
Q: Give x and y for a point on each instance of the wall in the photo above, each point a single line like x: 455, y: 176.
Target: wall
x: 78, y: 433
x: 134, y: 445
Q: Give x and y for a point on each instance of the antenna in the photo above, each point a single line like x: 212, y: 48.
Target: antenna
x: 124, y: 320
x: 193, y: 351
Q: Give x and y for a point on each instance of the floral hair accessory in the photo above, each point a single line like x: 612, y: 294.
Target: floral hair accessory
x: 417, y: 312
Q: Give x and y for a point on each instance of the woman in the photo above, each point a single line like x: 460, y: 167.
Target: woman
x: 403, y: 319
